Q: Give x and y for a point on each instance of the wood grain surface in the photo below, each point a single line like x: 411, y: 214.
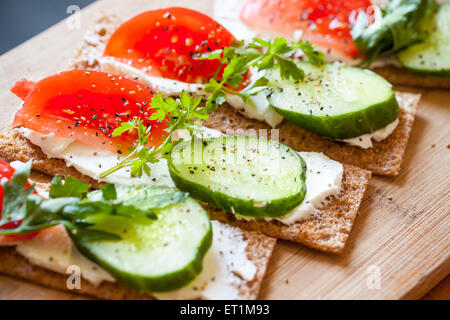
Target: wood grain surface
x: 400, y: 235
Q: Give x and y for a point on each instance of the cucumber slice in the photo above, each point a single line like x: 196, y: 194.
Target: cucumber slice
x: 154, y: 255
x: 432, y: 56
x: 246, y: 175
x: 334, y: 101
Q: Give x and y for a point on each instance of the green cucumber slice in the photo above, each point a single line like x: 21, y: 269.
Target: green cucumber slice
x: 250, y: 176
x: 432, y: 56
x: 154, y: 255
x: 335, y: 101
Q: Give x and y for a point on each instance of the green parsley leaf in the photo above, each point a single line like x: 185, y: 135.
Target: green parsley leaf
x: 259, y: 84
x: 213, y: 55
x: 177, y: 114
x: 314, y: 56
x: 260, y: 54
x: 80, y: 215
x: 159, y: 201
x: 124, y: 127
x: 109, y: 192
x: 289, y: 69
x: 15, y: 194
x: 88, y: 235
x: 237, y: 65
x: 71, y: 187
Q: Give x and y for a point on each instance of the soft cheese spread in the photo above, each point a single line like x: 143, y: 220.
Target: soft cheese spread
x: 365, y: 141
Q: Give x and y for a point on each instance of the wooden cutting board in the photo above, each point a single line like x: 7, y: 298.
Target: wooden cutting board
x: 401, y: 234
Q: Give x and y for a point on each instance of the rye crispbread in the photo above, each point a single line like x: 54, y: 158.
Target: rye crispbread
x: 259, y: 251
x: 14, y: 147
x: 384, y: 158
x: 405, y: 77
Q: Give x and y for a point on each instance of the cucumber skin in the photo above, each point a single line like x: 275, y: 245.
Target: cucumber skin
x: 246, y: 208
x: 380, y: 115
x: 177, y: 280
x: 425, y: 72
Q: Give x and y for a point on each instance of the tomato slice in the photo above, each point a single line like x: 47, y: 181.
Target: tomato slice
x: 6, y: 171
x: 326, y: 23
x: 162, y: 43
x: 86, y: 106
x: 22, y: 88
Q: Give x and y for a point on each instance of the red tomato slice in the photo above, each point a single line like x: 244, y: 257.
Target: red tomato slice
x: 162, y: 43
x: 86, y: 106
x: 22, y: 88
x: 16, y: 238
x: 6, y: 171
x: 326, y: 23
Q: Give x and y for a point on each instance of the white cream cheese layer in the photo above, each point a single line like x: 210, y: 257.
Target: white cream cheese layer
x: 365, y: 141
x: 227, y: 13
x: 225, y: 266
x: 256, y: 108
x: 323, y: 179
x: 53, y: 249
x: 92, y: 162
x: 167, y: 87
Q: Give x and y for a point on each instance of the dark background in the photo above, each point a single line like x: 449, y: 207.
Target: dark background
x: 22, y: 19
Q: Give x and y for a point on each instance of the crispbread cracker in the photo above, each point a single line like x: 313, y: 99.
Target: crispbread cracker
x: 327, y: 230
x: 94, y: 42
x: 259, y: 251
x: 405, y: 77
x: 14, y: 147
x: 384, y: 158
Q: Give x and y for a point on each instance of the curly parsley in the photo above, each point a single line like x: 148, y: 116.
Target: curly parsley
x: 69, y: 204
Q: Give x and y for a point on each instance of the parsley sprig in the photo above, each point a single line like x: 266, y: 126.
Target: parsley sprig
x: 403, y: 23
x: 259, y: 55
x: 69, y: 204
x: 177, y: 113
